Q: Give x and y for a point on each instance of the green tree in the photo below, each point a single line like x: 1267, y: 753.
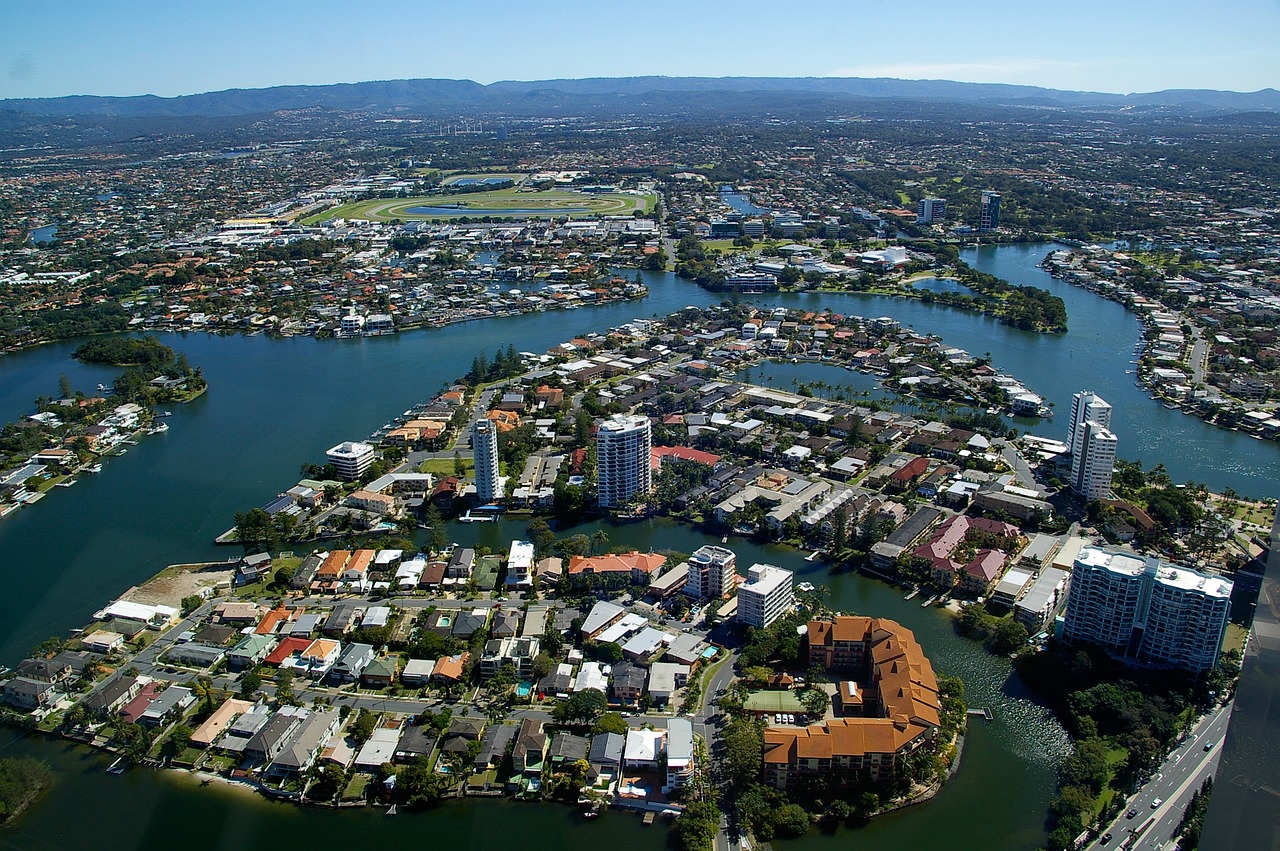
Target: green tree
x: 582, y: 707
x: 250, y: 682
x: 610, y: 722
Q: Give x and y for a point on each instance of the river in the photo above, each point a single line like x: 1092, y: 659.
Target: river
x: 273, y: 404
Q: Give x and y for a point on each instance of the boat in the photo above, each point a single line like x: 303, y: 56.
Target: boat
x: 392, y: 810
x: 914, y: 592
x: 96, y: 468
x: 118, y: 766
x: 805, y: 586
x: 165, y: 414
x: 65, y: 483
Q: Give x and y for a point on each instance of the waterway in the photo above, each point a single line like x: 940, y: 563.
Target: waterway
x: 273, y: 404
x: 48, y: 233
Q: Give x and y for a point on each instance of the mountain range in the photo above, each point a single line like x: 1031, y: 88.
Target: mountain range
x: 638, y: 94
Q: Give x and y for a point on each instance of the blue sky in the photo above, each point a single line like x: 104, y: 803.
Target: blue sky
x: 172, y: 47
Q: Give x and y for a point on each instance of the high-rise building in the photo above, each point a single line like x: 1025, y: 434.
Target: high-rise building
x: 931, y: 210
x: 766, y: 595
x: 1093, y: 445
x: 484, y: 448
x: 1092, y: 468
x: 989, y: 212
x: 623, y: 445
x: 711, y: 571
x: 1086, y: 405
x: 1146, y: 612
x: 350, y: 459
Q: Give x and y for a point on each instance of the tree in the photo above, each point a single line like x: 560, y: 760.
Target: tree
x: 1009, y: 636
x: 542, y: 665
x: 284, y: 686
x: 362, y: 728
x: 249, y: 684
x: 65, y: 391
x: 815, y: 702
x: 611, y: 722
x: 582, y: 707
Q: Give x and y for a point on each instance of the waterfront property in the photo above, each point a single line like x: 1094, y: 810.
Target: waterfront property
x: 895, y: 711
x: 1146, y: 612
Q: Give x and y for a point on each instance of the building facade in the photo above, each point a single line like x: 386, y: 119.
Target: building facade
x: 1146, y: 612
x: 766, y: 596
x: 711, y: 572
x: 351, y: 459
x: 484, y: 448
x: 1086, y: 406
x: 931, y: 210
x: 1092, y: 469
x: 989, y: 211
x: 623, y: 444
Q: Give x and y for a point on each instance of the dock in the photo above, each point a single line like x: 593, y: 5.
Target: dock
x: 984, y: 712
x: 477, y: 518
x: 914, y: 592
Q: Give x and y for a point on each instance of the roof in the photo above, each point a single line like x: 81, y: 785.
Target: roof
x: 841, y: 737
x: 287, y: 648
x: 644, y: 745
x: 616, y: 563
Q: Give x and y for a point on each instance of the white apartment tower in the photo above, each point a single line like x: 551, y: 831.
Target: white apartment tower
x: 766, y: 596
x: 1091, y: 470
x: 484, y: 448
x: 711, y: 572
x: 623, y: 445
x: 1093, y: 445
x: 1146, y: 612
x: 931, y: 210
x: 351, y: 459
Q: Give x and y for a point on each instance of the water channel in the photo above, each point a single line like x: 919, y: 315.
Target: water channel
x: 273, y: 404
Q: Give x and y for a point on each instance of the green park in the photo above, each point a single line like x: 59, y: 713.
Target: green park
x: 499, y: 203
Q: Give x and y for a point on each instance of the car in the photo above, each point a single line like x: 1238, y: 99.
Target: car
x: 1208, y: 746
x: 1106, y: 837
x: 1131, y: 814
x: 1156, y: 803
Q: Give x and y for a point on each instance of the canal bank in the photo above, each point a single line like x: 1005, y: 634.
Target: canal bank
x: 279, y: 402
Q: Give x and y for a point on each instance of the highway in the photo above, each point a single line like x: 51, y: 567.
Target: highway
x: 1181, y: 774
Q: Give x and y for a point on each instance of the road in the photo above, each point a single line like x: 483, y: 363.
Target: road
x: 1181, y: 774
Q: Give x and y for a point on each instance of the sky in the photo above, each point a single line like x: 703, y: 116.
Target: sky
x: 168, y: 47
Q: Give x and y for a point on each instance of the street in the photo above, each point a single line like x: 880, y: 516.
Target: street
x: 1181, y: 774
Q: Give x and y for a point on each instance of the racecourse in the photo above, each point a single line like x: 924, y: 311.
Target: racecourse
x: 500, y: 203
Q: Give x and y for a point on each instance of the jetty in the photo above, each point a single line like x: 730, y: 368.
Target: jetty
x: 984, y: 712
x: 477, y: 518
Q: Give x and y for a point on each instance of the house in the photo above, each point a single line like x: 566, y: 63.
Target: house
x: 26, y: 693
x: 304, y: 746
x: 627, y: 682
x: 680, y: 753
x: 112, y: 696
x: 462, y: 730
x: 417, y: 672
x: 449, y: 669
x: 416, y: 740
x: 566, y: 749
x: 378, y: 750
x: 316, y: 659
x: 517, y: 653
x: 351, y: 664
x: 237, y: 614
x: 169, y: 705
x: 665, y: 678
x: 494, y: 745
x: 636, y: 567
x: 643, y: 751
x: 530, y: 748
x: 381, y: 672
x: 605, y: 755
x: 251, y: 650
x: 253, y: 568
x: 216, y: 724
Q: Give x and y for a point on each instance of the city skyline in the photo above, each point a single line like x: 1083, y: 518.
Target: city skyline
x: 1088, y: 46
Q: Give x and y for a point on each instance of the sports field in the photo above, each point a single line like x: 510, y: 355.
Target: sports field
x: 501, y: 203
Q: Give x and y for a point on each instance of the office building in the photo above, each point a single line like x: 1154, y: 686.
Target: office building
x: 931, y: 210
x: 1146, y: 612
x: 623, y: 444
x: 1091, y: 470
x: 766, y: 595
x: 710, y: 573
x: 351, y: 460
x: 989, y: 212
x: 484, y: 448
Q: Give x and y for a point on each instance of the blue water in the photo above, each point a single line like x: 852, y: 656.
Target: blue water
x: 485, y: 211
x: 941, y: 285
x: 739, y: 201
x: 482, y: 181
x: 48, y: 233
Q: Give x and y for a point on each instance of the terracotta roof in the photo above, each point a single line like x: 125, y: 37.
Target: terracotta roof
x: 287, y: 648
x: 616, y: 563
x: 333, y: 564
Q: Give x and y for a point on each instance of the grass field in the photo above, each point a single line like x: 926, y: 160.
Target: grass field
x: 550, y: 204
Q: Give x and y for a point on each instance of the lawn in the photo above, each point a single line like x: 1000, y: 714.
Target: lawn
x: 355, y: 789
x: 445, y: 467
x: 545, y: 204
x: 1236, y: 636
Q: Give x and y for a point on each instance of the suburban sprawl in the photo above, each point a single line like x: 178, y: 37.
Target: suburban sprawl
x: 345, y: 651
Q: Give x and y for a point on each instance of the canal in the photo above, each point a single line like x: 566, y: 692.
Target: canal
x: 274, y: 404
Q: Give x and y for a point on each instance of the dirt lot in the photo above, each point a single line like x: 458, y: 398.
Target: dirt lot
x: 178, y: 581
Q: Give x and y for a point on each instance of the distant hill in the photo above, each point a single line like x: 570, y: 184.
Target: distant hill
x: 642, y: 94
